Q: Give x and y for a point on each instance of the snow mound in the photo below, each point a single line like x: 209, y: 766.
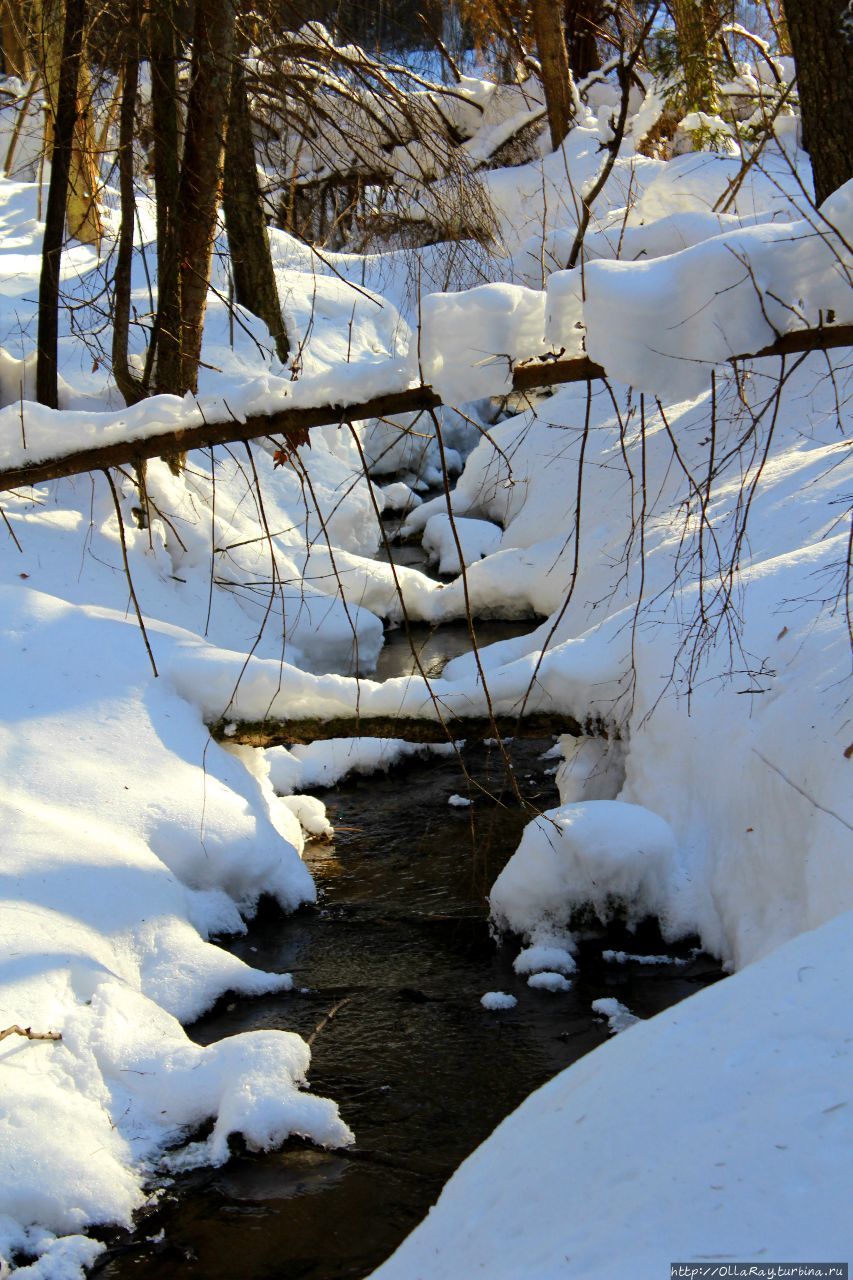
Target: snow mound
x: 469, y: 341
x: 538, y: 958
x: 495, y: 1000
x: 602, y: 854
x: 477, y: 538
x: 618, y: 1015
x: 545, y: 981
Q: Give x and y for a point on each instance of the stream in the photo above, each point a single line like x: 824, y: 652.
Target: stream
x: 399, y: 951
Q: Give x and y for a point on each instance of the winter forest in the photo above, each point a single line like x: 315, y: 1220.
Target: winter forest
x: 426, y: 537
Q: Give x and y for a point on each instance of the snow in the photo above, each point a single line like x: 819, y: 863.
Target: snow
x: 539, y: 958
x: 709, y: 787
x: 477, y: 538
x: 717, y: 1128
x: 602, y: 854
x: 630, y: 957
x: 545, y: 981
x: 459, y: 802
x: 494, y: 1001
x: 618, y: 1016
x: 470, y: 340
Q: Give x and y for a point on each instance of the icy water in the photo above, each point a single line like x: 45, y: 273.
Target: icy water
x: 421, y: 1071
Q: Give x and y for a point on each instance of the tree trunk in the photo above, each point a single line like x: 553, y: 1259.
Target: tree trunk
x: 165, y: 113
x: 694, y: 51
x: 822, y: 39
x: 248, y: 240
x: 129, y: 386
x: 583, y: 17
x: 201, y: 172
x: 13, y: 34
x: 63, y: 145
x: 82, y: 208
x: 554, y: 60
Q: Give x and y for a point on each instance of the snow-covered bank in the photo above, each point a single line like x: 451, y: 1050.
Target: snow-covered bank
x: 719, y: 1129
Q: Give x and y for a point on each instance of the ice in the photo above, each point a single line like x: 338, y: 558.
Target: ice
x: 459, y: 802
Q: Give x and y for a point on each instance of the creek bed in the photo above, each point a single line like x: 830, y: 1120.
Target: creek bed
x: 421, y: 1071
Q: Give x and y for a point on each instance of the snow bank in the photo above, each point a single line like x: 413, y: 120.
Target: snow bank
x: 477, y: 538
x: 749, y: 1074
x: 661, y: 326
x: 601, y: 854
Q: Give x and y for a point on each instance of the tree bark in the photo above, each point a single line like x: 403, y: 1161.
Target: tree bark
x: 63, y: 144
x: 13, y: 34
x: 294, y: 424
x: 694, y: 51
x: 554, y: 60
x: 201, y: 171
x: 130, y: 387
x: 273, y: 733
x: 255, y: 285
x: 583, y: 18
x: 83, y: 188
x: 165, y: 118
x: 821, y: 34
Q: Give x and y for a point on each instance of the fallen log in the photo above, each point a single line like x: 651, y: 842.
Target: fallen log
x: 293, y: 423
x: 284, y: 733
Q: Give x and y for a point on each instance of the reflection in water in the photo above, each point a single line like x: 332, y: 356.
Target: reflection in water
x: 422, y: 1073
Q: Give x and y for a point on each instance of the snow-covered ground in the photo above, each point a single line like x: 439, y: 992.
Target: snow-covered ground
x: 719, y: 801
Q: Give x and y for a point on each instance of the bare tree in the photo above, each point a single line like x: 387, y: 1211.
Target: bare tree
x: 201, y: 170
x: 248, y: 242
x: 65, y: 118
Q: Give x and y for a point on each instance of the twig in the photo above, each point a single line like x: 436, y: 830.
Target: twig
x: 29, y: 1034
x: 324, y: 1022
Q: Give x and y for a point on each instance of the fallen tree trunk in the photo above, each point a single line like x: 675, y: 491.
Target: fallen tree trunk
x: 295, y: 732
x: 293, y: 423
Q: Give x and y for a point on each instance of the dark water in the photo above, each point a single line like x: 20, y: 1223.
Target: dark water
x: 422, y: 1073
x: 436, y: 645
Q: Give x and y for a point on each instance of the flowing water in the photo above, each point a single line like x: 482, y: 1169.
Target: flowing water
x: 398, y: 952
